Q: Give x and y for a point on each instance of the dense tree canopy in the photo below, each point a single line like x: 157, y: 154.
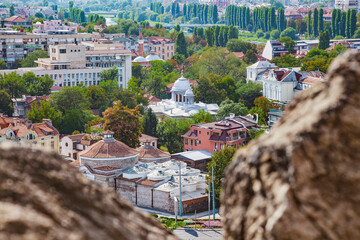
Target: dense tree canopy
x: 29, y: 60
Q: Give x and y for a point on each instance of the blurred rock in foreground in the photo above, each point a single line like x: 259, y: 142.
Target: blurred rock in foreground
x: 302, y: 181
x: 43, y: 197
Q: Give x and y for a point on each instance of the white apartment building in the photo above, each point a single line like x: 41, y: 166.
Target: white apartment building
x: 71, y: 64
x: 344, y: 5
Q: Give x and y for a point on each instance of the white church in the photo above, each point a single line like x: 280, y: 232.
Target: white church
x: 181, y: 104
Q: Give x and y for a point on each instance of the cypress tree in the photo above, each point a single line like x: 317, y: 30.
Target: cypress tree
x: 149, y: 123
x: 243, y: 17
x: 248, y: 17
x: 206, y: 10
x: 209, y: 36
x: 309, y: 23
x: 347, y: 24
x: 316, y: 23
x: 225, y: 35
x: 321, y: 20
x: 338, y: 22
x: 221, y: 37
x: 343, y: 24
x: 353, y: 19
x: 181, y: 44
x: 215, y: 14
x: 184, y: 11
x: 333, y: 22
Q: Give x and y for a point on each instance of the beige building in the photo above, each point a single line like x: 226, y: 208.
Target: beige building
x: 71, y: 64
x: 41, y: 135
x: 163, y: 47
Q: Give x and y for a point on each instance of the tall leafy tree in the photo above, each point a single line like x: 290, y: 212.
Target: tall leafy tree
x: 228, y: 106
x: 321, y: 20
x: 216, y: 35
x: 343, y: 24
x: 181, y: 44
x: 149, y: 123
x: 37, y: 86
x: 333, y: 23
x: 209, y: 36
x: 125, y: 123
x: 13, y: 83
x: 12, y: 10
x: 308, y: 23
x: 29, y: 60
x: 201, y: 116
x: 324, y: 40
x: 6, y: 105
x: 69, y: 98
x: 220, y: 160
x: 96, y: 97
x: 347, y: 24
x: 170, y: 132
x: 44, y: 110
x: 109, y: 74
x: 316, y: 23
x: 353, y: 20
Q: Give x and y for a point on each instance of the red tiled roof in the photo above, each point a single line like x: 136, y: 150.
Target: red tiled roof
x: 6, y: 121
x: 108, y: 149
x: 120, y: 177
x: 106, y: 168
x: 16, y: 19
x: 151, y: 152
x: 311, y: 80
x: 147, y: 138
x: 151, y: 98
x: 55, y: 88
x: 43, y: 129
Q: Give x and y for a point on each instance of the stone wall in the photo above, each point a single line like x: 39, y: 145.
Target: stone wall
x: 126, y: 189
x: 118, y: 163
x: 163, y: 201
x: 198, y: 204
x: 144, y: 196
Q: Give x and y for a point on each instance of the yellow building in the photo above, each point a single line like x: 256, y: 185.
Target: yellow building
x: 42, y: 135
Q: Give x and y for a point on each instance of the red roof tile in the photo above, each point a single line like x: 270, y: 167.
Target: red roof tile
x: 108, y: 149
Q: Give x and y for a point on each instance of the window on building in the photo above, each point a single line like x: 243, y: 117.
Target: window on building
x: 222, y: 146
x: 52, y: 144
x: 62, y: 50
x: 199, y: 132
x: 191, y: 142
x: 186, y: 141
x: 207, y: 133
x: 216, y: 146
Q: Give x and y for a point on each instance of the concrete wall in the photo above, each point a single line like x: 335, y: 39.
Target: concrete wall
x: 163, y: 201
x: 144, y: 196
x: 126, y: 189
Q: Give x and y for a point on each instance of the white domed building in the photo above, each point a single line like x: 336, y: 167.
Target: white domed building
x: 145, y: 61
x: 181, y: 104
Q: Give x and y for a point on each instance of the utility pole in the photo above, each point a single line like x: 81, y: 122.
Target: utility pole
x: 180, y: 190
x: 209, y: 202
x: 213, y: 190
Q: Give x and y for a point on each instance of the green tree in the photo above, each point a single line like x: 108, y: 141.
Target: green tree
x: 181, y: 44
x: 13, y: 83
x: 333, y: 23
x: 179, y: 58
x: 125, y: 123
x: 74, y: 119
x: 29, y: 60
x: 324, y: 40
x: 96, y: 97
x: 289, y: 32
x: 250, y: 57
x: 2, y: 64
x: 39, y: 15
x: 201, y: 116
x: 12, y: 10
x: 206, y: 90
x: 238, y: 45
x: 286, y: 61
x: 69, y: 98
x: 6, y: 105
x: 37, y: 86
x: 154, y: 84
x: 248, y: 92
x: 321, y: 20
x: 149, y: 123
x: 353, y: 20
x: 274, y: 34
x: 316, y: 23
x: 134, y: 84
x: 170, y: 132
x: 44, y: 111
x: 209, y: 36
x: 109, y: 74
x: 309, y: 29
x: 228, y: 106
x: 288, y: 44
x: 219, y: 162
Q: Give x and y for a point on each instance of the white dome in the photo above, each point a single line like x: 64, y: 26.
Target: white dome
x: 153, y: 57
x: 140, y: 59
x: 182, y: 84
x: 189, y: 93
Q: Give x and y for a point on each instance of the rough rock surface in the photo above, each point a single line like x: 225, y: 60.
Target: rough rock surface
x: 302, y: 181
x: 43, y: 197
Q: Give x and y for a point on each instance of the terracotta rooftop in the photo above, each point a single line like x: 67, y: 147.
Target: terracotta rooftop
x: 108, y: 149
x: 41, y: 129
x: 147, y: 138
x: 16, y: 19
x: 151, y: 152
x: 6, y: 121
x: 148, y: 182
x: 152, y: 98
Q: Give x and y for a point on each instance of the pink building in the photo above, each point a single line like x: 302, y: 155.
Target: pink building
x: 212, y: 137
x: 53, y: 25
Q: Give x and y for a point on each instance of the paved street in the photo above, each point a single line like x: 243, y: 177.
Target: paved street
x: 189, y: 234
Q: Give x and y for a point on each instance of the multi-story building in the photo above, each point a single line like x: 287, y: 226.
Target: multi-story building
x: 41, y: 135
x: 72, y: 145
x: 22, y: 105
x: 163, y: 47
x: 219, y: 3
x: 344, y: 5
x: 70, y: 64
x: 132, y: 44
x: 283, y: 84
x: 273, y: 48
x: 17, y: 21
x: 256, y: 71
x: 16, y: 45
x: 53, y: 26
x: 214, y: 136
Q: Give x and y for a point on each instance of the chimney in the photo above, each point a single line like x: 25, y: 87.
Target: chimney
x: 47, y: 121
x: 15, y: 122
x: 232, y: 115
x: 28, y: 123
